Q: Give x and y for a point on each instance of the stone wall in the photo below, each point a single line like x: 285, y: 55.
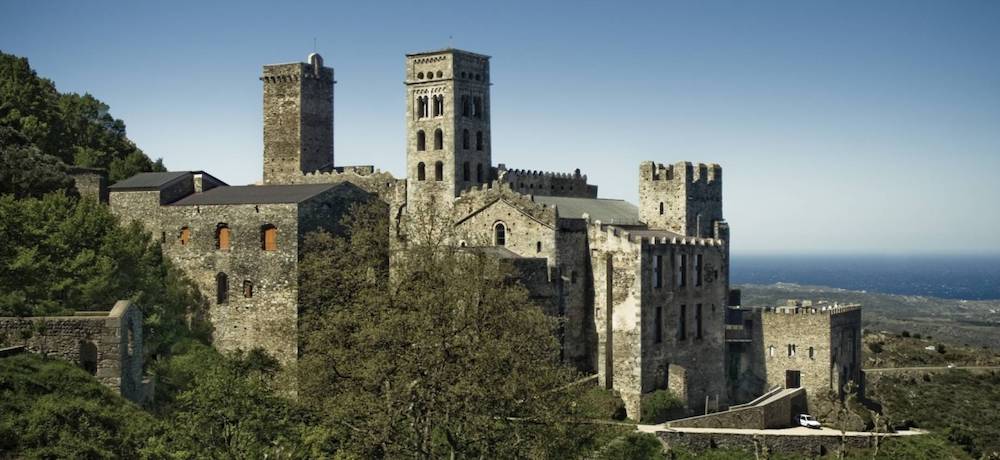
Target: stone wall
x: 547, y: 183
x: 91, y: 182
x: 298, y: 119
x: 682, y: 198
x: 807, y: 445
x: 777, y: 411
x: 106, y: 344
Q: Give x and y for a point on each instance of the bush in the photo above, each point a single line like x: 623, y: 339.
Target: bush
x: 905, y: 334
x: 658, y: 406
x: 633, y: 446
x: 596, y: 402
x: 875, y: 347
x: 940, y: 348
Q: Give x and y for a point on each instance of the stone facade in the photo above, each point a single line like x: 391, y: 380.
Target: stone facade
x: 106, y: 344
x: 800, y: 344
x: 240, y: 245
x: 90, y: 182
x: 641, y: 291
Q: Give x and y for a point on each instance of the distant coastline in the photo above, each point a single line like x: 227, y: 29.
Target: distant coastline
x: 965, y: 277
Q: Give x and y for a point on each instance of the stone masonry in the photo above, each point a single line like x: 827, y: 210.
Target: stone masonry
x: 106, y: 344
x: 641, y: 291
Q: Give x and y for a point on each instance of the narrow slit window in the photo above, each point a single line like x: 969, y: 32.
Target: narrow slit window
x: 658, y: 271
x: 221, y: 288
x: 682, y: 323
x: 697, y: 321
x: 247, y: 289
x: 658, y: 327
x: 698, y: 265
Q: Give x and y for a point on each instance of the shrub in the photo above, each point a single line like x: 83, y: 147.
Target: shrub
x: 905, y: 334
x: 658, y: 406
x: 940, y: 348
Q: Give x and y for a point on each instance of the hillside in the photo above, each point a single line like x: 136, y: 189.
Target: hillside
x: 961, y: 322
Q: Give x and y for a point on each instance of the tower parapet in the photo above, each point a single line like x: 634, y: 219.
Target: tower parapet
x: 547, y: 183
x: 298, y: 119
x: 684, y: 198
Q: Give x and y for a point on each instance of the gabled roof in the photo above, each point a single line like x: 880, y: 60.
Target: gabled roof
x: 508, y: 203
x: 607, y: 211
x: 155, y: 180
x: 255, y: 194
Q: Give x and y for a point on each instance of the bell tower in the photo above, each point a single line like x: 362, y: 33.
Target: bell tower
x: 447, y: 125
x: 298, y: 119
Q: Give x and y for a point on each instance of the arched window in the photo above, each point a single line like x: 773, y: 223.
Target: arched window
x: 221, y: 288
x: 439, y: 105
x: 421, y: 141
x: 269, y: 238
x: 465, y: 139
x: 661, y: 208
x: 479, y: 140
x: 438, y: 139
x: 477, y: 107
x: 770, y: 351
x: 222, y: 237
x: 185, y: 236
x: 479, y: 172
x: 421, y: 106
x: 500, y: 234
x: 466, y: 172
x: 465, y: 105
x: 439, y: 171
x: 247, y: 288
x: 421, y: 172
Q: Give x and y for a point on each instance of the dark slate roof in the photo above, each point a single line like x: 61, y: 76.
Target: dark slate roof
x: 494, y: 251
x: 149, y: 180
x: 255, y: 194
x: 607, y: 211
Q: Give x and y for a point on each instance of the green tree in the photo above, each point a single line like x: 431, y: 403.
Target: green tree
x: 447, y: 357
x: 76, y: 129
x: 25, y: 171
x: 658, y: 406
x: 64, y: 253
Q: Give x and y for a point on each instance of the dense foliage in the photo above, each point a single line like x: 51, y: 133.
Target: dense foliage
x: 447, y: 357
x: 52, y: 409
x: 63, y: 254
x: 963, y: 406
x: 77, y: 130
x: 660, y: 406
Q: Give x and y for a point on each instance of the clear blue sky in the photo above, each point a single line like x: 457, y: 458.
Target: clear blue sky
x: 842, y: 127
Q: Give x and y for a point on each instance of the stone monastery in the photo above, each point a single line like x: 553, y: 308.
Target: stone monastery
x: 642, y: 290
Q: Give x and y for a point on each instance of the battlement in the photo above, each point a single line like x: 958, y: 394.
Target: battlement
x: 624, y: 235
x: 806, y: 307
x: 547, y: 183
x: 691, y: 173
x: 295, y: 71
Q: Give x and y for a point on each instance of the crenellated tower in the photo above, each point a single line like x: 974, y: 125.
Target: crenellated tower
x: 682, y: 198
x: 298, y: 119
x: 447, y: 125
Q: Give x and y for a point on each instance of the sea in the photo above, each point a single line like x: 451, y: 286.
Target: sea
x: 969, y: 277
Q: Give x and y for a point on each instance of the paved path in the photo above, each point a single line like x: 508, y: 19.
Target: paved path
x: 882, y: 370
x: 795, y: 431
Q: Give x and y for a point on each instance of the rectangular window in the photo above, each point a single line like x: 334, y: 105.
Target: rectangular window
x: 658, y: 327
x: 682, y: 324
x: 658, y: 272
x: 697, y: 321
x: 682, y: 271
x: 697, y: 268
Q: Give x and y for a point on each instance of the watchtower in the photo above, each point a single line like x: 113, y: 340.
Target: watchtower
x: 681, y: 197
x: 447, y: 124
x: 298, y: 119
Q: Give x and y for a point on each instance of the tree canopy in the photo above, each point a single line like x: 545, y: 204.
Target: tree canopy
x: 75, y: 129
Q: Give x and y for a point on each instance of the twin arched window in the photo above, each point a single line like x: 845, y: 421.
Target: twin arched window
x: 439, y: 105
x: 421, y: 141
x: 421, y: 171
x: 422, y: 107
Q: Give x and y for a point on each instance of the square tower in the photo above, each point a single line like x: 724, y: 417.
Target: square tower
x: 298, y: 119
x: 682, y: 198
x: 447, y: 125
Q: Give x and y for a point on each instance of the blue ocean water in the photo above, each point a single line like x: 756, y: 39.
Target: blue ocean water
x: 949, y: 277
